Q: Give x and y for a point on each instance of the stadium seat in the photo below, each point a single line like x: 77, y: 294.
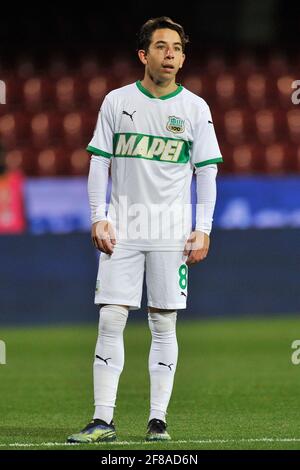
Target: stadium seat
x: 257, y: 125
x: 20, y: 159
x: 226, y: 151
x: 14, y: 160
x: 25, y: 68
x: 284, y: 90
x: 236, y: 126
x: 227, y: 92
x: 277, y: 64
x: 275, y: 159
x: 244, y: 159
x: 13, y: 94
x: 45, y: 130
x: 293, y: 125
x: 120, y: 68
x: 256, y: 90
x: 131, y: 76
x: 96, y: 90
x: 246, y: 64
x: 77, y: 129
x: 89, y: 67
x: 268, y: 125
x: 8, y: 131
x: 13, y: 130
x: 57, y: 67
x: 69, y: 93
x: 79, y: 162
x: 50, y: 162
x: 199, y: 85
x: 36, y: 94
x: 215, y: 65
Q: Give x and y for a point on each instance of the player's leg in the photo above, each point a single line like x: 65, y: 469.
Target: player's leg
x: 162, y: 365
x: 119, y: 288
x: 166, y: 274
x: 109, y: 359
x: 108, y: 366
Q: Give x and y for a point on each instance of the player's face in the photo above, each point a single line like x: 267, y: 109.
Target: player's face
x: 165, y: 56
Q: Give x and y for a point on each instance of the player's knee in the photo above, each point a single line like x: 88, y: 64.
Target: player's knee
x: 162, y: 322
x: 159, y: 310
x: 113, y: 318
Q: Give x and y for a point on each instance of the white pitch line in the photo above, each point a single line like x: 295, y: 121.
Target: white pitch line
x: 128, y: 443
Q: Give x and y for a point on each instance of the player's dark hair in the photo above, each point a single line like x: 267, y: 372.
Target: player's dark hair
x: 146, y: 31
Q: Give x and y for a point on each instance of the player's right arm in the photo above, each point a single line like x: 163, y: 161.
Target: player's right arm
x: 103, y: 236
x: 101, y: 147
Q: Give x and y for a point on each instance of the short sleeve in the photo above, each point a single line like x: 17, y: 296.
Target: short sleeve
x: 102, y: 141
x: 205, y: 148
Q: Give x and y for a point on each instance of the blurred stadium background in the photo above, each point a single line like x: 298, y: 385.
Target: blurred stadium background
x: 57, y: 65
x: 243, y: 59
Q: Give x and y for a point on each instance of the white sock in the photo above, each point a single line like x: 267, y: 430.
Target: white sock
x: 162, y: 361
x: 105, y: 413
x: 110, y: 361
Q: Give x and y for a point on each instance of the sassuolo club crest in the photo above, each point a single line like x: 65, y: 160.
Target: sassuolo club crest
x: 175, y: 124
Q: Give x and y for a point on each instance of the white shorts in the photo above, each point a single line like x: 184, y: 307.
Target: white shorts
x: 120, y: 278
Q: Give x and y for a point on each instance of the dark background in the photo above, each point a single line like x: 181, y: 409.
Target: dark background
x: 109, y: 29
x: 51, y: 278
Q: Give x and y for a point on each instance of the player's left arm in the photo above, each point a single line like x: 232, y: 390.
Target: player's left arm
x: 197, y: 245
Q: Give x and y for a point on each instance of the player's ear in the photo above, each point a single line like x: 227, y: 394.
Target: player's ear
x: 142, y: 56
x: 182, y: 61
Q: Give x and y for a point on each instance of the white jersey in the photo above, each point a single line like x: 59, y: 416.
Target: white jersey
x: 153, y: 144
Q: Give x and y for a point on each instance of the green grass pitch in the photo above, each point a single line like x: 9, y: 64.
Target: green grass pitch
x: 235, y: 386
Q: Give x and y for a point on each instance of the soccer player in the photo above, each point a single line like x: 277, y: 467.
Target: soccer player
x: 153, y: 133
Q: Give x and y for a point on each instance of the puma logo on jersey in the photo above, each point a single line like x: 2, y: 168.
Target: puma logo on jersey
x: 104, y: 360
x: 167, y: 365
x: 182, y: 293
x: 151, y: 147
x: 128, y: 114
x: 210, y: 122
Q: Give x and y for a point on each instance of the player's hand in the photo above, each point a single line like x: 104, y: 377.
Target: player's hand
x: 196, y: 247
x: 103, y: 236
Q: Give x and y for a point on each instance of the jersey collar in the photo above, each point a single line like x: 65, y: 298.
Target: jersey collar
x: 164, y: 97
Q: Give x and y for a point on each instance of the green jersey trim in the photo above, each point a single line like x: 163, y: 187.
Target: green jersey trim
x: 164, y: 97
x: 150, y: 147
x: 99, y: 152
x: 207, y: 162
